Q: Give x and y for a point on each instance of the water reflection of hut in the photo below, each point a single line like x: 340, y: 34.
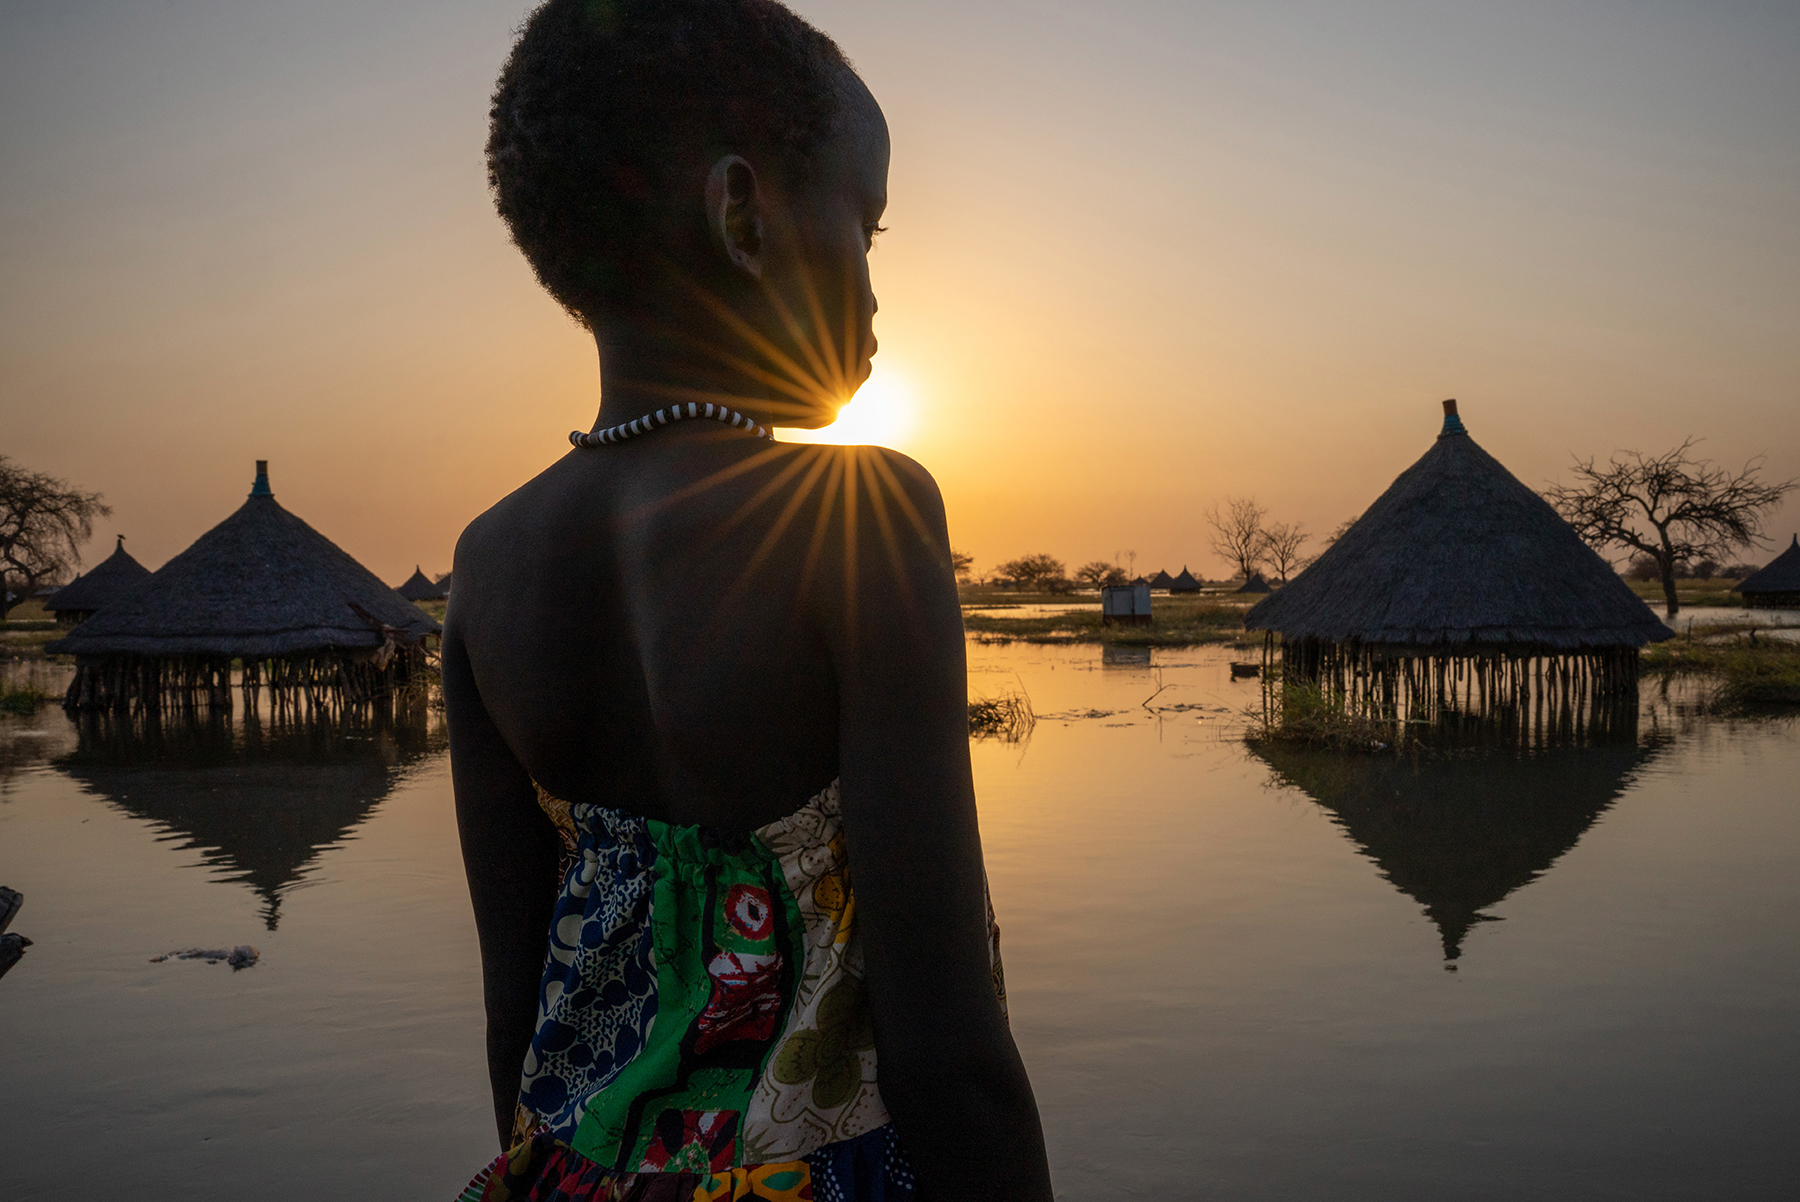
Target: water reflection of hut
x: 1777, y: 586
x: 1461, y: 590
x: 1457, y: 834
x: 1184, y: 583
x: 420, y: 587
x: 105, y: 582
x: 262, y: 587
x: 260, y: 800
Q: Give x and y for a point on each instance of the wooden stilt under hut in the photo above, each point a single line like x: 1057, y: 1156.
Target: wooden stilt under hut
x: 1462, y: 599
x: 261, y: 603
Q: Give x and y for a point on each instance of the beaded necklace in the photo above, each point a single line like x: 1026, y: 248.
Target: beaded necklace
x: 662, y: 417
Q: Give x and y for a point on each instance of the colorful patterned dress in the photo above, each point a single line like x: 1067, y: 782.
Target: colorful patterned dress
x: 703, y: 1030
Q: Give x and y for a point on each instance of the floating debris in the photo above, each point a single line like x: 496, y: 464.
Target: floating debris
x: 241, y: 956
x: 1008, y: 717
x: 12, y: 947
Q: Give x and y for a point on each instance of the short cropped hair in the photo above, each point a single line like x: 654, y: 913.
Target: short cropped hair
x: 609, y: 111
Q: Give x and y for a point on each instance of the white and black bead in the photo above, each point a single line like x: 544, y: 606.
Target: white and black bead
x: 662, y: 417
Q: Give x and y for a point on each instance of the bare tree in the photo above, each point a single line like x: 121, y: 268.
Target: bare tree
x: 1340, y: 532
x: 1281, y: 543
x: 960, y: 563
x: 43, y: 523
x: 1237, y: 532
x: 1672, y: 507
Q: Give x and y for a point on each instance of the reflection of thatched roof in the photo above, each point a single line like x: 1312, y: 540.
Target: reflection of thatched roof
x: 1457, y: 551
x: 261, y: 808
x: 262, y: 582
x: 1184, y: 583
x: 1458, y: 834
x: 418, y: 587
x: 1781, y: 576
x: 1255, y: 584
x: 106, y: 581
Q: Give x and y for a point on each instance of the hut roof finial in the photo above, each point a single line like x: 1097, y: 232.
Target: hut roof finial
x: 261, y: 487
x: 1452, y: 423
x: 121, y: 545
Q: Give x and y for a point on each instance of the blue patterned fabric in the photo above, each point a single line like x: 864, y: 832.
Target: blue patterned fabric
x: 870, y: 1168
x: 598, y: 994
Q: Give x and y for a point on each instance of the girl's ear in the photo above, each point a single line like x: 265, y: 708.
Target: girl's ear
x: 734, y: 213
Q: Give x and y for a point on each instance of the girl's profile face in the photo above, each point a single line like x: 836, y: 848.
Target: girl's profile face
x: 817, y: 274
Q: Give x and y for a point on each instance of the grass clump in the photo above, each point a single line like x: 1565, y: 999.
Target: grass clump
x: 1307, y: 715
x: 1746, y: 668
x: 23, y: 700
x: 1008, y: 717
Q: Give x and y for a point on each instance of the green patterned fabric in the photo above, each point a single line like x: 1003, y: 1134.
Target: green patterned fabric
x: 728, y: 938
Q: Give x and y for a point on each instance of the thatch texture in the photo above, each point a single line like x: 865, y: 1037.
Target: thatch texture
x: 106, y: 581
x: 419, y: 587
x: 1256, y: 584
x: 1455, y: 555
x: 1780, y: 577
x: 261, y: 583
x: 1184, y: 583
x: 1161, y: 580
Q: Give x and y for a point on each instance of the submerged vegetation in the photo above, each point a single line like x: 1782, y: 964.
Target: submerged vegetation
x: 1743, y: 664
x: 1008, y: 717
x: 24, y: 699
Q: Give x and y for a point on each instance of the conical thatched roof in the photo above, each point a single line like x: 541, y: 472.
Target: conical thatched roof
x: 419, y: 587
x: 1184, y: 583
x: 1161, y: 580
x: 106, y: 581
x: 1460, y: 833
x: 1781, y: 576
x: 261, y: 582
x: 1457, y: 553
x: 1256, y: 584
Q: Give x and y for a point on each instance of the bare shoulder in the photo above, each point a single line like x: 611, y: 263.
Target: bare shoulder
x: 496, y: 545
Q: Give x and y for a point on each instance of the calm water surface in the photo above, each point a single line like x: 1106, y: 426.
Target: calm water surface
x: 1232, y: 977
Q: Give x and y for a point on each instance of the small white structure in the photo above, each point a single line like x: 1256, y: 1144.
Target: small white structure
x: 1127, y: 603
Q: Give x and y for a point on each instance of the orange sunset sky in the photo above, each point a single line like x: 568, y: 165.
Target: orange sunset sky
x: 1141, y: 256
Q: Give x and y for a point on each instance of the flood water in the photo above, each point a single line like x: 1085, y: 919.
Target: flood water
x: 1297, y: 976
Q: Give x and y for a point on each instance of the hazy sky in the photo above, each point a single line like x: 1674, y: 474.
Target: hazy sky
x: 1141, y: 256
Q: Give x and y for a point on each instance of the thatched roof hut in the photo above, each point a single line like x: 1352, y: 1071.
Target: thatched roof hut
x: 105, y: 582
x: 1777, y: 586
x: 1184, y: 583
x: 1458, y: 561
x: 1161, y: 580
x: 419, y: 587
x: 1457, y: 554
x: 1255, y: 584
x: 262, y: 587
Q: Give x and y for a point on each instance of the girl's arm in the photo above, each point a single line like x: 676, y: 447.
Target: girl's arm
x: 510, y: 853
x: 950, y: 1073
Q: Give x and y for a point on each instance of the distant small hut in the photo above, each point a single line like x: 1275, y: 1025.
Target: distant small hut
x: 264, y: 589
x: 1778, y: 585
x: 1461, y: 591
x: 1256, y: 584
x: 105, y: 582
x: 1184, y: 583
x: 1162, y: 580
x: 443, y: 583
x: 420, y: 587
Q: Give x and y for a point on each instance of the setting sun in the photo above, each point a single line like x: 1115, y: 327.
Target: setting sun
x: 880, y: 414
